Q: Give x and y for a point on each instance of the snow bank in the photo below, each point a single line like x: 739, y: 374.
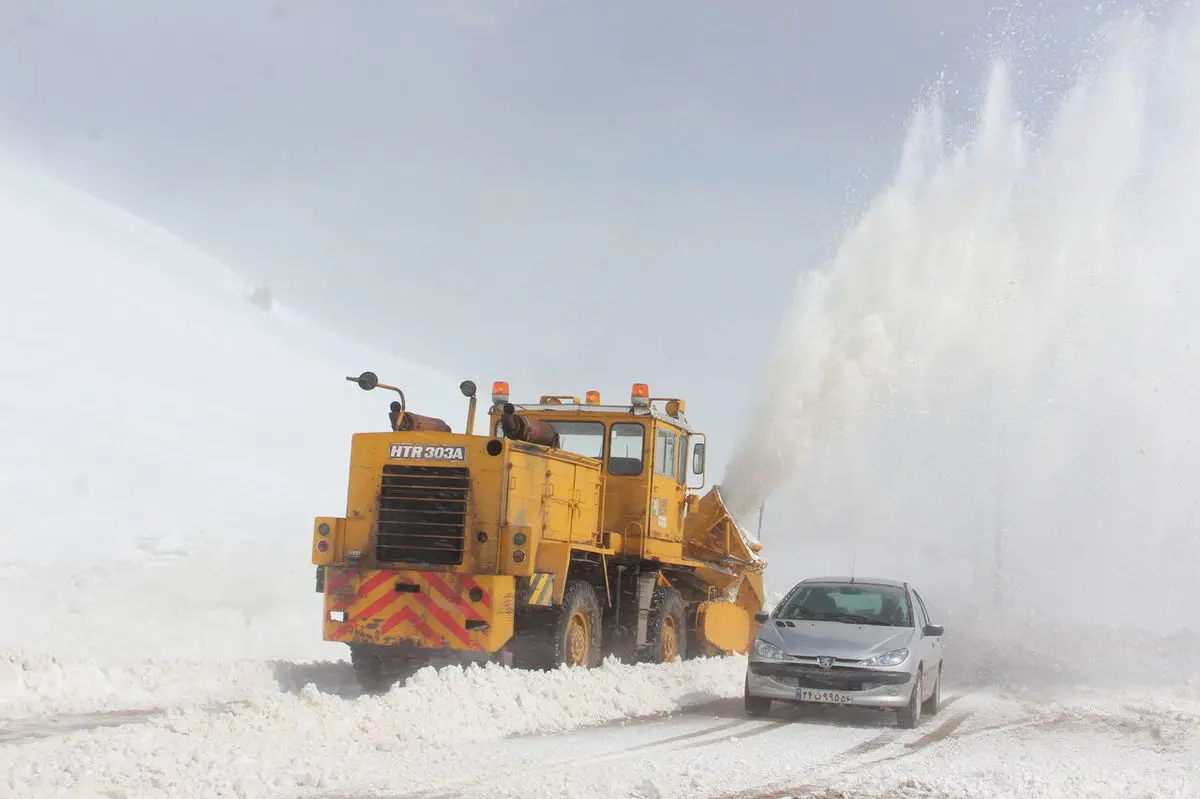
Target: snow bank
x: 256, y: 601
x: 42, y: 686
x: 1022, y: 652
x: 274, y: 738
x: 458, y: 704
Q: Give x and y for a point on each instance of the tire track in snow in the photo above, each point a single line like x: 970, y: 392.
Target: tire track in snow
x: 36, y: 729
x: 867, y: 747
x: 854, y: 759
x: 729, y: 725
x: 712, y: 735
x: 766, y: 727
x: 26, y: 731
x: 944, y: 733
x: 716, y: 733
x: 818, y: 783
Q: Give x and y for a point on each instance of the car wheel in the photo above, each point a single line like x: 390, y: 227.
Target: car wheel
x: 910, y: 717
x: 756, y: 705
x: 934, y: 703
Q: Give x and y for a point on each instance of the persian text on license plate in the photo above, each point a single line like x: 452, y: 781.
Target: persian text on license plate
x: 831, y: 697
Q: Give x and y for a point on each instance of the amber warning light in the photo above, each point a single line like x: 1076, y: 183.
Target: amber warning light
x: 593, y: 397
x: 641, y: 395
x: 500, y: 391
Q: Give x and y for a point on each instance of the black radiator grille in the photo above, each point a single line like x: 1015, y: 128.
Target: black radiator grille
x: 422, y: 514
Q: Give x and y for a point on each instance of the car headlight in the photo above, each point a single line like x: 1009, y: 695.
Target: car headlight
x: 766, y: 650
x: 893, y: 658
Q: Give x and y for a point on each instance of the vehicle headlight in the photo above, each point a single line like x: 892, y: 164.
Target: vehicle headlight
x: 893, y: 658
x: 766, y: 650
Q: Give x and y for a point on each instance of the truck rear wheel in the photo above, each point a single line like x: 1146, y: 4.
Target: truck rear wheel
x: 570, y: 634
x: 378, y: 669
x: 667, y: 634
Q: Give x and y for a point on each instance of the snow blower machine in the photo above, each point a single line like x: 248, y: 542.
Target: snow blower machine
x: 565, y: 532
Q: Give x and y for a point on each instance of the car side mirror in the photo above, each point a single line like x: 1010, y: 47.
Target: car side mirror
x: 761, y: 617
x: 698, y: 459
x: 935, y: 630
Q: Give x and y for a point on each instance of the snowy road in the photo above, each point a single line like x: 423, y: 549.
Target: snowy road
x: 647, y: 731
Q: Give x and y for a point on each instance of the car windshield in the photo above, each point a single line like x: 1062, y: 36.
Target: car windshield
x: 856, y: 603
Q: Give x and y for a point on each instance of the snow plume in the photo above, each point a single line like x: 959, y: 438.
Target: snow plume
x: 992, y: 388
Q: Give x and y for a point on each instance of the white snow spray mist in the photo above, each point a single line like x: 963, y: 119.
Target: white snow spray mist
x: 993, y: 388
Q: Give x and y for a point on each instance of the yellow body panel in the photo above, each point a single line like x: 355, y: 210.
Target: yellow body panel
x: 522, y: 510
x: 430, y: 609
x: 541, y: 589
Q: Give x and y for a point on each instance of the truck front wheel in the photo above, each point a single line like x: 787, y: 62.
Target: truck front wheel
x: 667, y: 631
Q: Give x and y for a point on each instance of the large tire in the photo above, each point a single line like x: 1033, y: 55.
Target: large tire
x: 378, y: 669
x: 566, y: 635
x: 909, y: 717
x: 666, y: 632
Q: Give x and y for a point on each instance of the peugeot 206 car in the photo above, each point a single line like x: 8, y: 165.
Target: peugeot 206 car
x: 848, y: 641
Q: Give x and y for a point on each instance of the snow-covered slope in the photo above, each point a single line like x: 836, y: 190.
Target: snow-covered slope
x: 166, y: 442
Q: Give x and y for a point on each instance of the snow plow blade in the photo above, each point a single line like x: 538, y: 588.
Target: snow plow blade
x: 732, y: 566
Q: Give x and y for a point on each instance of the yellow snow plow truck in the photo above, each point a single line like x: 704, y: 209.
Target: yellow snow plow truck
x: 563, y: 533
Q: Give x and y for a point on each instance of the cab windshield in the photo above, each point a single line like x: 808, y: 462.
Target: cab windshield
x: 582, y: 438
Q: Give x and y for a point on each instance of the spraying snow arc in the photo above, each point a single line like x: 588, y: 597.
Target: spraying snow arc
x: 1007, y: 331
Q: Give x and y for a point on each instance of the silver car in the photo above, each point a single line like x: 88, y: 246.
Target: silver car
x: 848, y: 641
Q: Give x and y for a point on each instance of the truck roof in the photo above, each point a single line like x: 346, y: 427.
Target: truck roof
x: 627, y: 410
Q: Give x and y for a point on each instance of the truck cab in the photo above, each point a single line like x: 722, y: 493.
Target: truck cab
x: 644, y: 455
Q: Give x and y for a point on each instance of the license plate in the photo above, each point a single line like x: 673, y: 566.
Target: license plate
x: 829, y: 697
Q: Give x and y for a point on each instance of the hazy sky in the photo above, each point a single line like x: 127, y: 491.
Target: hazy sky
x: 568, y: 195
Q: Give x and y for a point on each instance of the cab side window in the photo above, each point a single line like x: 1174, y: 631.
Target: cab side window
x: 666, y: 453
x: 627, y: 441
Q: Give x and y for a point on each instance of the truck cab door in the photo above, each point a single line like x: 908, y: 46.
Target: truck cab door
x: 626, y: 498
x: 669, y: 484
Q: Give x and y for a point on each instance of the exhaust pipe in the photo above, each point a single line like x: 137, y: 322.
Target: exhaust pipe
x: 519, y: 428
